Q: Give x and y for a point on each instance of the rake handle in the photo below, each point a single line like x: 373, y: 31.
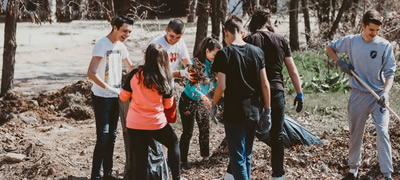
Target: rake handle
x: 373, y: 93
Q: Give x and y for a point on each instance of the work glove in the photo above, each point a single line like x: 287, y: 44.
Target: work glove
x: 299, y: 101
x: 384, y: 99
x: 112, y: 90
x: 192, y: 76
x: 213, y: 112
x: 344, y: 66
x: 264, y: 124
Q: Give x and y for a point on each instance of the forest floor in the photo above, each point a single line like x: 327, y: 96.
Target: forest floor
x: 48, y: 120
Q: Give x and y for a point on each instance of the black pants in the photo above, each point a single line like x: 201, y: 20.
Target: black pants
x: 277, y: 120
x: 140, y: 141
x: 189, y: 111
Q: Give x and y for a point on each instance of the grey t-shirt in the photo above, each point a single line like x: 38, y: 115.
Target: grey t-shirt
x: 373, y: 61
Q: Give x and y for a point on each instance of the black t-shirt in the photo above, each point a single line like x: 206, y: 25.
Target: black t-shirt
x: 241, y: 66
x: 275, y: 48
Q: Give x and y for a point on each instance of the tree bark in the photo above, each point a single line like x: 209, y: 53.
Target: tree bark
x: 222, y: 16
x: 202, y: 23
x: 52, y: 11
x: 10, y: 46
x: 304, y: 5
x: 215, y: 20
x: 192, y: 11
x: 293, y: 25
x: 345, y: 5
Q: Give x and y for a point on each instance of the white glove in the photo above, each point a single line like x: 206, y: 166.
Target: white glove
x: 184, y: 73
x: 112, y: 89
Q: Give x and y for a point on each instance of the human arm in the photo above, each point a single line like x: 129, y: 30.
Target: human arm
x: 92, y: 74
x: 265, y: 88
x: 294, y: 76
x: 128, y: 64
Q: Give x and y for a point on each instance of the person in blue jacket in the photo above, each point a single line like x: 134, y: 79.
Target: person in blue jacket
x: 194, y: 103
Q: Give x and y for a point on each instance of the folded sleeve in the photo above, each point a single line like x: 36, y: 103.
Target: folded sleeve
x: 168, y: 102
x: 125, y: 95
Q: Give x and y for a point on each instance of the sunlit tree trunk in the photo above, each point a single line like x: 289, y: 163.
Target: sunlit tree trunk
x: 10, y: 46
x: 304, y: 6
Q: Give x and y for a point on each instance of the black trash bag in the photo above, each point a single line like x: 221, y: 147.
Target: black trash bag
x: 294, y: 134
x: 158, y: 168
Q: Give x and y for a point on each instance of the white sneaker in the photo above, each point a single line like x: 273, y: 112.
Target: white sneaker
x: 228, y: 176
x: 278, y: 178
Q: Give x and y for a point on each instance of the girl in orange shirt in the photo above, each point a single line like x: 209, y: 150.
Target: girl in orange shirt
x: 150, y: 90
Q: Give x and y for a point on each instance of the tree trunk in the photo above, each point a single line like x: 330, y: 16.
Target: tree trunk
x: 202, y: 23
x: 215, y: 20
x: 111, y: 13
x: 304, y: 5
x: 10, y: 46
x: 293, y: 25
x: 192, y: 11
x: 345, y: 5
x: 222, y: 16
x: 52, y: 10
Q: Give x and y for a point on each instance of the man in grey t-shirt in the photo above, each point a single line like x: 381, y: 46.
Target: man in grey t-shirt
x: 372, y: 58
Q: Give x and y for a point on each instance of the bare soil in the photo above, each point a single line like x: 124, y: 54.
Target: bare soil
x: 48, y: 118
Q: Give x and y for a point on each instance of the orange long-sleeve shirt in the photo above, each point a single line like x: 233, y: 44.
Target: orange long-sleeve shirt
x: 146, y: 110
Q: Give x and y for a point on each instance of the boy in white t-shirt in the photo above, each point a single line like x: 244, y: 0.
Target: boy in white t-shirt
x: 105, y: 70
x: 175, y: 46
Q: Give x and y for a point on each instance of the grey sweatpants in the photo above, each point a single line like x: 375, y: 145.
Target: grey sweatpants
x: 361, y: 105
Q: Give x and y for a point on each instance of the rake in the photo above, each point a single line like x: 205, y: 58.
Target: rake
x: 373, y: 93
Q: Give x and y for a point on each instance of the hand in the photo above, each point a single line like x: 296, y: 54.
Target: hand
x: 384, y: 99
x: 192, y: 76
x: 344, y: 66
x: 299, y: 101
x: 112, y: 90
x: 264, y: 124
x: 213, y: 112
x: 206, y: 101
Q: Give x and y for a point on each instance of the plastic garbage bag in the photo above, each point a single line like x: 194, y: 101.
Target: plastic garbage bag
x: 158, y: 168
x: 294, y: 134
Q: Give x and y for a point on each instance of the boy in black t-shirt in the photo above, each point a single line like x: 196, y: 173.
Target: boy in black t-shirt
x: 243, y: 79
x: 277, y: 52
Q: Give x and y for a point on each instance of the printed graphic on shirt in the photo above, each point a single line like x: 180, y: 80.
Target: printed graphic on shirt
x: 373, y: 54
x: 173, y: 56
x: 109, y: 55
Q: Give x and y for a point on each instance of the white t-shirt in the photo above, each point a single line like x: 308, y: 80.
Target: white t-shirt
x: 110, y: 66
x: 176, y: 52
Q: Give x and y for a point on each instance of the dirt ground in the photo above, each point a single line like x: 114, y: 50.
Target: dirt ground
x: 49, y: 121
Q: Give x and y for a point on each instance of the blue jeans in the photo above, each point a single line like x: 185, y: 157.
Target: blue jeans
x: 240, y: 137
x: 106, y: 112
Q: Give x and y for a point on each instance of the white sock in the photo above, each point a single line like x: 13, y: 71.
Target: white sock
x: 354, y: 171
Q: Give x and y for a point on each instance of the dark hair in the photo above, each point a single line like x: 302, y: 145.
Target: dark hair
x: 234, y: 25
x: 208, y: 43
x: 120, y: 20
x: 372, y: 16
x: 156, y: 71
x: 177, y: 26
x: 260, y: 19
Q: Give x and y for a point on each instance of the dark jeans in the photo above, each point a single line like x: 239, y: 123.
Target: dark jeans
x: 189, y: 111
x: 240, y: 137
x: 140, y: 141
x: 277, y: 120
x: 106, y: 112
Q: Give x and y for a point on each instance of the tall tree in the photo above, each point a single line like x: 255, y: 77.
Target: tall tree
x: 202, y: 23
x: 215, y: 20
x: 345, y: 6
x: 192, y: 11
x: 293, y: 24
x: 304, y: 7
x: 222, y: 16
x: 10, y: 46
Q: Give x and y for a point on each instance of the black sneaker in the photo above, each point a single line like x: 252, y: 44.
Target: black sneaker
x: 350, y: 176
x: 186, y: 165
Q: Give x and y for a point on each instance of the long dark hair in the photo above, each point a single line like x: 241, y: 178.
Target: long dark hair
x: 156, y: 71
x: 208, y: 43
x: 260, y: 19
